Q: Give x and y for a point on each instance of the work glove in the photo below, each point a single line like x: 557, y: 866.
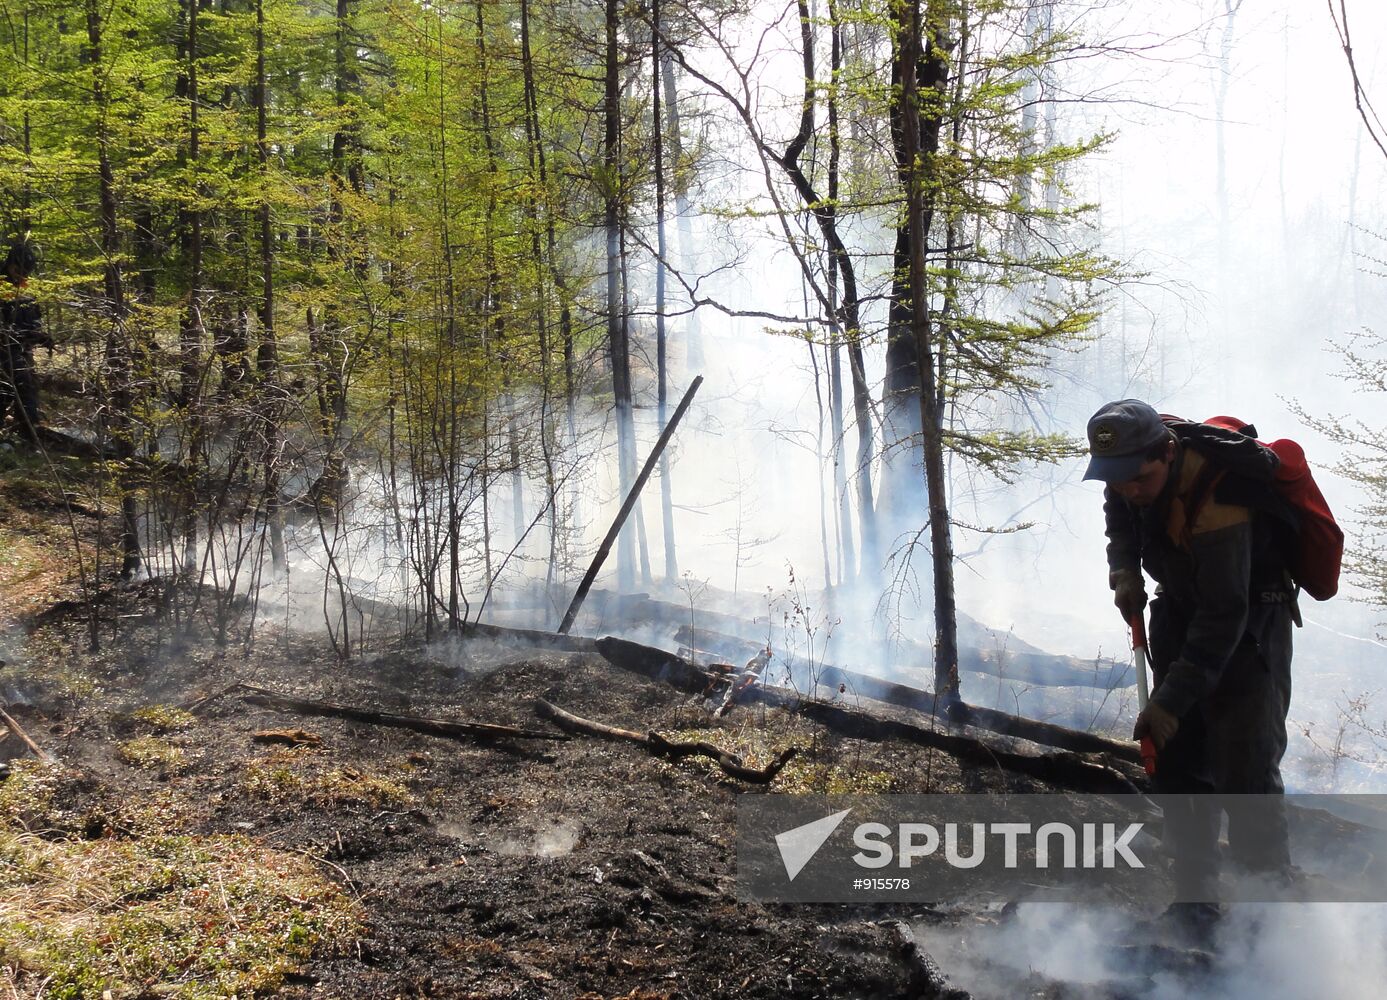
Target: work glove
x: 1155, y: 722
x: 1129, y: 592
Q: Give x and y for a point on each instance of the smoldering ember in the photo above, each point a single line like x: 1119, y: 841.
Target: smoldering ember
x: 458, y: 461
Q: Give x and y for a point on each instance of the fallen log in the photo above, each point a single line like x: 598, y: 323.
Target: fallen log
x: 729, y: 763
x: 981, y: 649
x: 654, y: 663
x: 18, y: 730
x: 1064, y: 768
x: 533, y: 637
x: 1092, y: 772
x: 661, y: 665
x: 1025, y: 665
x: 198, y: 702
x: 926, y: 979
x: 433, y: 727
x: 54, y: 440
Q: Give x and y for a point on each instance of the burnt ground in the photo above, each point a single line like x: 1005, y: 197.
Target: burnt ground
x: 582, y: 868
x: 512, y: 869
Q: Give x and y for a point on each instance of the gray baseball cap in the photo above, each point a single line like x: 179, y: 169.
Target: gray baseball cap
x: 1119, y: 436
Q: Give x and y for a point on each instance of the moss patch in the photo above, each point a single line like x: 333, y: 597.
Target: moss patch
x: 153, y: 753
x: 48, y: 671
x: 29, y: 796
x: 163, y: 718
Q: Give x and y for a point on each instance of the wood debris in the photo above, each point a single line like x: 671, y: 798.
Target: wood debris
x: 18, y: 730
x: 433, y: 727
x: 729, y: 763
x: 288, y: 737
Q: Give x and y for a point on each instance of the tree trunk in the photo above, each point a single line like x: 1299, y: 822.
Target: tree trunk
x: 192, y: 330
x: 492, y: 320
x: 847, y: 550
x: 825, y: 213
x: 616, y: 325
x: 666, y: 487
x: 1225, y: 75
x: 329, y: 353
x: 267, y: 356
x: 538, y: 185
x: 683, y: 212
x: 119, y: 349
x: 917, y: 55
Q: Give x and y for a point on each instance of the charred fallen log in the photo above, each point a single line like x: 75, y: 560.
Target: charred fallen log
x: 433, y: 727
x: 533, y: 637
x: 981, y: 649
x: 927, y: 980
x: 1095, y: 772
x: 1025, y: 666
x: 654, y: 663
x: 665, y: 666
x: 1062, y: 768
x: 729, y: 763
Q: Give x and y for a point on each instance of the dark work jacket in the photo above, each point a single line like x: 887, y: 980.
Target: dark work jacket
x: 21, y: 322
x: 1222, y: 576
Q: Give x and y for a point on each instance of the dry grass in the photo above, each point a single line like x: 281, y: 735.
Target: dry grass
x: 174, y: 915
x: 304, y: 776
x: 200, y: 916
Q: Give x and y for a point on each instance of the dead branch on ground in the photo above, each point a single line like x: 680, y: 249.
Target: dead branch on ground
x: 730, y: 763
x: 18, y: 730
x: 433, y: 727
x: 288, y: 737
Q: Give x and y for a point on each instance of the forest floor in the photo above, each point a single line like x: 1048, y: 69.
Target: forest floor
x: 170, y: 852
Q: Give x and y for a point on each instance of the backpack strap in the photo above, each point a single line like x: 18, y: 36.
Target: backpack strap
x: 1201, y: 491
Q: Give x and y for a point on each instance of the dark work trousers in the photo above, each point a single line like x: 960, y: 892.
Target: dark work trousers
x: 1229, y: 744
x: 19, y: 392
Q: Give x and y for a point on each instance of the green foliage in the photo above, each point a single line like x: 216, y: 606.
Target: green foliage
x: 1363, y: 460
x: 402, y: 213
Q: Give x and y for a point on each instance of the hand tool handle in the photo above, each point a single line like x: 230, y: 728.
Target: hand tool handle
x: 1148, y: 749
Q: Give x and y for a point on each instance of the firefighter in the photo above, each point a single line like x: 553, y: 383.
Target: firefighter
x: 1220, y: 642
x: 21, y: 330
